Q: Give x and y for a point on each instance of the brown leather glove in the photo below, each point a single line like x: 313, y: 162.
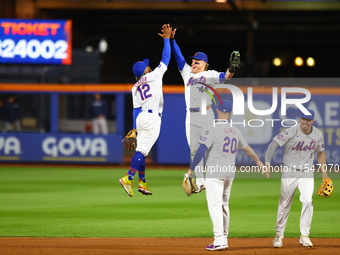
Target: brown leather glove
x: 130, y: 140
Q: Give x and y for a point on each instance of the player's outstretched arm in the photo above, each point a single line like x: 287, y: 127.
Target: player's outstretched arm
x: 235, y: 62
x: 176, y: 50
x: 268, y: 157
x: 322, y: 162
x: 166, y: 34
x: 252, y: 154
x: 198, y: 156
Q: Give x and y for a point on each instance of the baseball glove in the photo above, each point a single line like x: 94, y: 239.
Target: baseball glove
x: 235, y: 61
x: 188, y: 184
x: 130, y: 140
x: 326, y: 188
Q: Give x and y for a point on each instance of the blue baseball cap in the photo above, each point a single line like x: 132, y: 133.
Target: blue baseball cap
x: 226, y: 106
x: 138, y: 68
x: 200, y: 56
x: 308, y: 116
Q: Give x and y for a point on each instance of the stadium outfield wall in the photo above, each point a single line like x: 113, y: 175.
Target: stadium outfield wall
x: 171, y: 147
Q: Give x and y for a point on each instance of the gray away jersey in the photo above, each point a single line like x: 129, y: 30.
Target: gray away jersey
x: 222, y: 142
x: 299, y: 148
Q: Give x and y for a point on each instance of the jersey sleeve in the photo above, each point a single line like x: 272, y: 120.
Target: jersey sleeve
x: 166, y: 52
x: 185, y: 71
x: 283, y: 137
x: 242, y: 143
x: 222, y: 78
x: 159, y: 71
x: 178, y: 55
x: 320, y: 143
x: 207, y: 138
x: 213, y: 77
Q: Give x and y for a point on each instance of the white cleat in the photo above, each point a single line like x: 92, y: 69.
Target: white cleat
x: 277, y: 242
x: 305, y: 241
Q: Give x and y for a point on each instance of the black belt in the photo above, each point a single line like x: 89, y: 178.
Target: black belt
x: 197, y: 109
x: 296, y: 169
x: 299, y: 170
x: 151, y: 111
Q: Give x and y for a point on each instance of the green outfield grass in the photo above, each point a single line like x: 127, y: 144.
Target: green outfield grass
x: 69, y: 202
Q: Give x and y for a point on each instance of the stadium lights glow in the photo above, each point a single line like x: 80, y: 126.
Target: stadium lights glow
x: 277, y: 62
x: 220, y: 1
x: 298, y: 61
x: 310, y: 61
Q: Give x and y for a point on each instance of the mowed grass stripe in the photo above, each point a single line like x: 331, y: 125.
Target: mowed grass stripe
x: 69, y: 202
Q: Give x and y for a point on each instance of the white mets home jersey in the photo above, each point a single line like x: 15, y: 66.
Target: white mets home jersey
x: 194, y: 90
x: 222, y: 142
x: 299, y: 148
x: 148, y: 91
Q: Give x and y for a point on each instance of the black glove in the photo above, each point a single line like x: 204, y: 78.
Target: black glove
x: 235, y: 61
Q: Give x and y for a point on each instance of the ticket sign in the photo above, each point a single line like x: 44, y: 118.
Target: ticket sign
x: 26, y: 41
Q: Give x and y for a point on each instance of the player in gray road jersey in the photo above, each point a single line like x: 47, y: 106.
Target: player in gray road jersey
x: 222, y: 141
x: 300, y: 143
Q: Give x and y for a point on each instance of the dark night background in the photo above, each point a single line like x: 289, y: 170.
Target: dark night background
x: 132, y: 36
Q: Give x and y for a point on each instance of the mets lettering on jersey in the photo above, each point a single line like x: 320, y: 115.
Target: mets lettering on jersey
x: 302, y: 147
x: 194, y: 81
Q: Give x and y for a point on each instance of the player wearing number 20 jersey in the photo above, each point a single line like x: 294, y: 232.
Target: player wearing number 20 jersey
x: 221, y: 142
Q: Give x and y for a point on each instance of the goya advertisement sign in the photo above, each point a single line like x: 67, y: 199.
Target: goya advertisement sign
x: 26, y: 41
x: 37, y: 147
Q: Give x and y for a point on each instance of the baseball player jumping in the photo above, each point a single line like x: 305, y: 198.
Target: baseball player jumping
x: 147, y: 95
x: 194, y: 77
x: 300, y: 143
x: 222, y: 141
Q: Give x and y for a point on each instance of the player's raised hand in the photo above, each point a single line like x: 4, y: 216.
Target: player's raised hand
x: 166, y: 31
x: 173, y: 32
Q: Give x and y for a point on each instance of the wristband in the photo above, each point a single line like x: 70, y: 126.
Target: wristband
x: 231, y: 69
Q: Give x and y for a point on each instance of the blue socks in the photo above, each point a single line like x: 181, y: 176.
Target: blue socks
x: 137, y: 164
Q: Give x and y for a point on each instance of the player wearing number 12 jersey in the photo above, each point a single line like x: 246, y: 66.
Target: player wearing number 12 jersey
x: 147, y: 96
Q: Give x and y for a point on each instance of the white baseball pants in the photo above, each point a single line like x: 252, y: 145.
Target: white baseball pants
x: 288, y: 187
x: 148, y: 129
x: 218, y: 194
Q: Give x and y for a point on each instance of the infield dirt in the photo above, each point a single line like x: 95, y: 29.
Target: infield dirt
x: 159, y: 246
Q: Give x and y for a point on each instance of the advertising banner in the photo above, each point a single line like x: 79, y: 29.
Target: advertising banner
x: 44, y: 148
x: 25, y: 41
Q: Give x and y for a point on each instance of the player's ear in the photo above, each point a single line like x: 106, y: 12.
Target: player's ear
x: 206, y: 66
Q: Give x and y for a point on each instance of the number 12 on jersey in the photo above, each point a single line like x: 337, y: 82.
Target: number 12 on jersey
x: 143, y: 91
